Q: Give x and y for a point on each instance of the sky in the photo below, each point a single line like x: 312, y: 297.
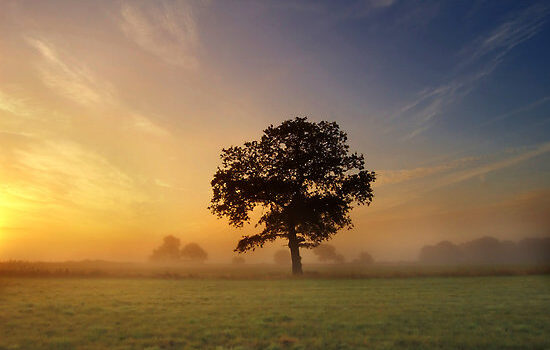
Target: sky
x: 113, y: 115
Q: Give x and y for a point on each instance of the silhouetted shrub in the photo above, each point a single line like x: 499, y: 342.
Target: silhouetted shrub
x: 364, y: 258
x: 193, y: 252
x: 327, y: 253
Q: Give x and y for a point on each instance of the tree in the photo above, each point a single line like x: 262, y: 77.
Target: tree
x: 168, y: 251
x: 193, y: 252
x: 364, y: 258
x: 327, y: 252
x: 303, y: 177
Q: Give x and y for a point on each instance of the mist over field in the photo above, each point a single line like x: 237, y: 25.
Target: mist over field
x: 480, y: 257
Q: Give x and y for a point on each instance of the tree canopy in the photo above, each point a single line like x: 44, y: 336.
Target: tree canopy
x: 327, y: 253
x: 193, y: 252
x: 168, y: 251
x: 304, y: 178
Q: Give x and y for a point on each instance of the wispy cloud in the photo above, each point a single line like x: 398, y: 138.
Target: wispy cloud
x: 69, y: 78
x: 24, y: 115
x: 61, y: 172
x: 168, y: 30
x: 514, y: 112
x: 364, y: 8
x: 78, y: 83
x: 432, y: 102
x: 454, y: 172
x: 146, y: 125
x: 391, y: 177
x: 331, y: 12
x: 478, y: 60
x: 482, y: 170
x: 14, y: 105
x: 521, y: 27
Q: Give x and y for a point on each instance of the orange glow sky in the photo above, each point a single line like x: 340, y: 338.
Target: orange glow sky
x: 113, y: 114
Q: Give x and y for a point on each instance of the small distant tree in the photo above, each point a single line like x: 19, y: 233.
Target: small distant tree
x: 168, y: 251
x: 238, y: 260
x: 304, y: 178
x: 193, y: 252
x: 326, y: 253
x: 281, y: 257
x: 364, y: 258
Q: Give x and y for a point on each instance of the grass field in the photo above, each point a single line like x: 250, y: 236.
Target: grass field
x: 510, y: 312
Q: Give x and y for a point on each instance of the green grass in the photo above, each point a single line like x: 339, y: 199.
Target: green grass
x: 412, y: 313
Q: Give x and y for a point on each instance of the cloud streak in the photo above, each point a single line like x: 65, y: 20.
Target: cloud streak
x: 538, y: 150
x: 147, y: 126
x: 478, y: 60
x: 76, y: 82
x: 514, y: 112
x: 518, y: 29
x: 452, y: 173
x: 167, y: 30
x: 13, y: 105
x: 392, y: 177
x: 62, y: 172
x: 68, y: 78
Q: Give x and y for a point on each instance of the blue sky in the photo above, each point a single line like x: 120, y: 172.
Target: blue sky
x: 459, y: 66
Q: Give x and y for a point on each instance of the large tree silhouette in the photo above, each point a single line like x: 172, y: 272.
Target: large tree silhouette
x: 304, y: 178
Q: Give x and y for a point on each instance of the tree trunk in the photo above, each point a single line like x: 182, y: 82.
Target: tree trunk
x: 294, y: 246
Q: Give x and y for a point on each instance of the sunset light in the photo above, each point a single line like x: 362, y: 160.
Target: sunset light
x: 275, y: 141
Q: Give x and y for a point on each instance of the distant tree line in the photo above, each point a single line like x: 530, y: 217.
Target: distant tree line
x: 328, y: 253
x: 488, y: 250
x: 325, y: 253
x: 170, y: 251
